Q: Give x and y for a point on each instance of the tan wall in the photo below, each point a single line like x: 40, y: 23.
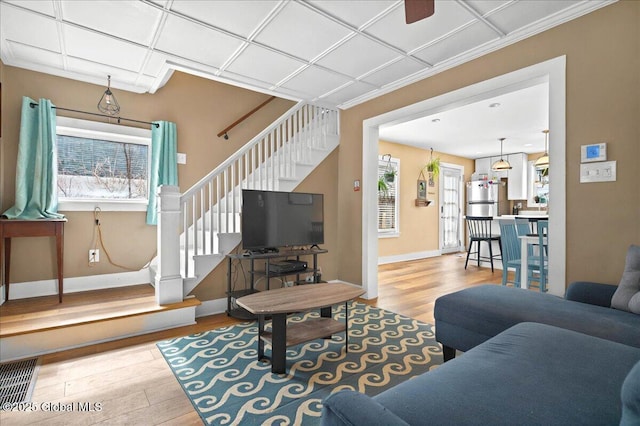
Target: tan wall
x: 419, y: 226
x: 201, y: 108
x: 603, y: 82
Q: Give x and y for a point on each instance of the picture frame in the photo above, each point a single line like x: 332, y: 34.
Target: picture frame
x: 422, y: 189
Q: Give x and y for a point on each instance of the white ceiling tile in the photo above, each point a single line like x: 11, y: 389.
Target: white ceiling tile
x: 264, y: 65
x: 394, y: 72
x: 29, y: 28
x: 355, y: 13
x: 81, y: 43
x: 196, y: 42
x: 349, y: 92
x: 155, y: 63
x: 467, y: 39
x: 486, y: 6
x: 392, y: 28
x: 315, y: 81
x: 243, y: 79
x: 130, y: 20
x: 23, y: 52
x: 99, y: 70
x: 522, y: 13
x: 342, y: 59
x: 42, y: 6
x: 314, y: 33
x: 225, y: 14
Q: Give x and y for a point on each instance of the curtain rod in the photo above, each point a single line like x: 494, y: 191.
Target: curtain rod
x: 33, y: 105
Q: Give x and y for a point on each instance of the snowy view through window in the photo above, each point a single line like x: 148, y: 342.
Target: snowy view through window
x: 100, y: 169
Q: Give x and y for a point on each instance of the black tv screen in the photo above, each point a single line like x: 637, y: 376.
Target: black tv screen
x: 273, y: 219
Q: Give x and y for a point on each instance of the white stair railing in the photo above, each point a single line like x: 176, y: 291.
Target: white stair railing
x: 213, y: 205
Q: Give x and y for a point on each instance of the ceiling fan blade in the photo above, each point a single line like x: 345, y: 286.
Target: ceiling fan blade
x: 416, y: 10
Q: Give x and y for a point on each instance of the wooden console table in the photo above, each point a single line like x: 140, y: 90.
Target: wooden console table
x: 12, y: 228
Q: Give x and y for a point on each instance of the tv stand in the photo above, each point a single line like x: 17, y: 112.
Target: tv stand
x: 267, y: 273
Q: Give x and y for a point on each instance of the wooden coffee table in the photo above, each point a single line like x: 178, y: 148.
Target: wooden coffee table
x: 279, y: 302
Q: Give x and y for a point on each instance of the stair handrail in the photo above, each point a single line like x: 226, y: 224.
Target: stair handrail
x: 246, y: 147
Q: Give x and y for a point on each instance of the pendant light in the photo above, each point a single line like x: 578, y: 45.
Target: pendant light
x: 108, y: 103
x: 543, y: 161
x: 501, y: 164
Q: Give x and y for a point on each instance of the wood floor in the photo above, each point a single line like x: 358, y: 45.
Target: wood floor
x: 133, y: 385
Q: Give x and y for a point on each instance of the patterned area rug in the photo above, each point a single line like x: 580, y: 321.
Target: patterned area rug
x: 226, y: 384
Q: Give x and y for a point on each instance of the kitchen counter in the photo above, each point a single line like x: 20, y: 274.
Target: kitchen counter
x: 525, y: 216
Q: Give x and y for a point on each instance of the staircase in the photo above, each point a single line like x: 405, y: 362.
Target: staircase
x: 197, y: 229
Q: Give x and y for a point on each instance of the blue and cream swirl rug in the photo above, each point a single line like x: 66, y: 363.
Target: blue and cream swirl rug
x: 227, y: 385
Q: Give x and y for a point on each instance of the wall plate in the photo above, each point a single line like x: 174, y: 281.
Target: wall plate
x: 593, y: 152
x: 604, y: 171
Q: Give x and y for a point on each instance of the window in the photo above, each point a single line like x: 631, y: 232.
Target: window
x: 388, y: 182
x: 102, y: 165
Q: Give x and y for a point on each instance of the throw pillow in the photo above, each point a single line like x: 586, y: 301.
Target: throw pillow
x: 634, y: 304
x: 630, y: 283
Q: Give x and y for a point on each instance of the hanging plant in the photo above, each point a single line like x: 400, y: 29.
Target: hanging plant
x: 433, y: 168
x: 383, y: 188
x: 390, y: 175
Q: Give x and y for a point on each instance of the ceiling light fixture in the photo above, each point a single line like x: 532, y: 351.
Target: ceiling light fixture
x: 543, y: 161
x: 108, y: 103
x: 501, y: 164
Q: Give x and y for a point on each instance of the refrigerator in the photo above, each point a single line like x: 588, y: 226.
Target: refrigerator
x: 487, y: 198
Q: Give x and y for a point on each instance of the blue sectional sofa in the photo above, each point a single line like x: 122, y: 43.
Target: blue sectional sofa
x: 530, y: 374
x: 530, y: 358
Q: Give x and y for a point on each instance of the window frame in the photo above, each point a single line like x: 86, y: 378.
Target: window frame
x: 67, y: 126
x: 395, y: 232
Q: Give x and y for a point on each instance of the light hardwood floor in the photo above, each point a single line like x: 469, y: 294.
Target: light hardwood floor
x: 134, y: 386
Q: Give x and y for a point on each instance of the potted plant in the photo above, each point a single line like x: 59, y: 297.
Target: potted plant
x: 433, y: 168
x: 383, y: 188
x: 389, y: 175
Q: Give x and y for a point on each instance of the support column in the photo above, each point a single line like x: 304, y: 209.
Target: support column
x: 168, y: 281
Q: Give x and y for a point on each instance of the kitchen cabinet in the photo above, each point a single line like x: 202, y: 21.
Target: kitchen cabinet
x: 517, y: 177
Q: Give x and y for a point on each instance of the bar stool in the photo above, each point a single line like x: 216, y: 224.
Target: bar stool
x: 479, y: 231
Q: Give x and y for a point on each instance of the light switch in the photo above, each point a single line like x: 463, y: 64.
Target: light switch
x: 602, y: 171
x: 182, y: 158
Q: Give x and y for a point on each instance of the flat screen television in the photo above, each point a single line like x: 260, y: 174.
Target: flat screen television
x: 273, y: 219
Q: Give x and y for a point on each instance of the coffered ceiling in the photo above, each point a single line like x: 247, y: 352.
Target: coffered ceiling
x: 337, y: 52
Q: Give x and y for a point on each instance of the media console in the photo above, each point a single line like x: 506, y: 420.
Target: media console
x: 289, y: 263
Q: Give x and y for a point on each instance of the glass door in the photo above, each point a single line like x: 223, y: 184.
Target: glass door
x: 451, y: 208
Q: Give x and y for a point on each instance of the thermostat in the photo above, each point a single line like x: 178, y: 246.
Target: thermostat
x: 594, y: 152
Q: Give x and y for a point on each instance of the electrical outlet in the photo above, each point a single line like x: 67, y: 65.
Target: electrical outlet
x: 94, y: 256
x: 288, y: 284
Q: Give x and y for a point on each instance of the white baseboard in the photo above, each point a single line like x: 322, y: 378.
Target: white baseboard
x: 27, y: 289
x: 382, y: 260
x: 211, y: 307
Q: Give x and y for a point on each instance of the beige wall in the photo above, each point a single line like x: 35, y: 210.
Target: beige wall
x: 603, y: 81
x: 419, y: 226
x: 201, y: 108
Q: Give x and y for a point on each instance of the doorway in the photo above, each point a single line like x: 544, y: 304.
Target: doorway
x: 451, y: 203
x: 552, y: 71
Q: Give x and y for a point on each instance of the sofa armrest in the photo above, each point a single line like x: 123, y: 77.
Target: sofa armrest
x: 592, y: 293
x: 353, y: 408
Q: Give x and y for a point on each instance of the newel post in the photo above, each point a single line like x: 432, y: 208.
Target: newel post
x: 168, y: 280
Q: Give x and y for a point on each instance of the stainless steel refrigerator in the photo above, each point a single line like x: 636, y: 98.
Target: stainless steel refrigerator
x: 487, y: 198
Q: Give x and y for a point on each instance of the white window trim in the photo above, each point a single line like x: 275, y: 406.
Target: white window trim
x: 109, y: 132
x: 394, y: 233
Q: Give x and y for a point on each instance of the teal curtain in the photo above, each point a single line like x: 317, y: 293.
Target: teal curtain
x: 164, y: 163
x: 37, y: 164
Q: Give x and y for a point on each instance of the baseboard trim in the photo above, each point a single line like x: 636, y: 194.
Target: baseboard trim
x: 383, y: 260
x: 28, y: 289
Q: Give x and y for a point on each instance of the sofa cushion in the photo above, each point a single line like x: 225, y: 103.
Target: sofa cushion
x: 631, y: 398
x: 529, y: 374
x: 630, y: 283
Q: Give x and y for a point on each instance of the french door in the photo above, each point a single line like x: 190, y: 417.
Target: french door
x: 451, y: 207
